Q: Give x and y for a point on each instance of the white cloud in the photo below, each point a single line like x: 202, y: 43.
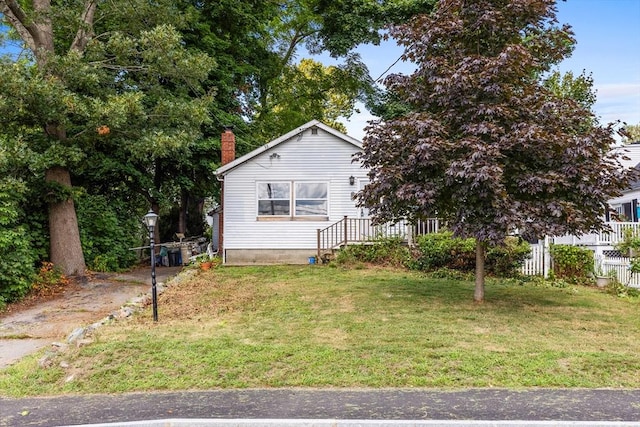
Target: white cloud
x: 620, y: 101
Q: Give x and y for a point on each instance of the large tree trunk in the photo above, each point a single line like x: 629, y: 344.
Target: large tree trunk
x: 66, y: 250
x: 478, y: 294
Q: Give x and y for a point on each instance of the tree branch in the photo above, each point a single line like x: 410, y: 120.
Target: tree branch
x: 18, y: 20
x: 85, y: 31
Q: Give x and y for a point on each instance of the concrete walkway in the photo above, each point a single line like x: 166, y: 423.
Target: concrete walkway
x: 325, y: 407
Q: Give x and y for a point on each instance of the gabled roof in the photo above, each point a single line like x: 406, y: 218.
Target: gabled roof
x: 240, y: 160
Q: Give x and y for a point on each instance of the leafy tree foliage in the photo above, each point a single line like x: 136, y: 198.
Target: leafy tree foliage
x: 570, y: 87
x: 308, y: 90
x: 124, y: 100
x: 344, y: 24
x: 105, y: 229
x: 631, y: 133
x: 486, y: 146
x: 16, y: 268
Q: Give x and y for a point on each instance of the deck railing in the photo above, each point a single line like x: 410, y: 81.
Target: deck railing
x: 361, y: 230
x: 612, y: 236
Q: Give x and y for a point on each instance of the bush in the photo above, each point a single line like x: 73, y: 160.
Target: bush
x: 18, y: 259
x: 17, y: 266
x: 107, y: 231
x: 442, y: 250
x: 505, y: 261
x: 387, y: 251
x: 572, y: 262
x: 49, y: 280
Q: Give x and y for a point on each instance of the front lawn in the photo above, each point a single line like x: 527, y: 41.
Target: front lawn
x: 318, y: 326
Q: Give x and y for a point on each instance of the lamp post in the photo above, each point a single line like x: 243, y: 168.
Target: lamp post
x: 150, y: 220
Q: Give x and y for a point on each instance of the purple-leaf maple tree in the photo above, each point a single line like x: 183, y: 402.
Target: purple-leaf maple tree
x: 486, y: 147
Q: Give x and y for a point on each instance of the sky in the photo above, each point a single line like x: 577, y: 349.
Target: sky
x: 608, y: 46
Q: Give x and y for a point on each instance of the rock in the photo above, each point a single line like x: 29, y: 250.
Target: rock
x: 77, y: 334
x: 126, y: 312
x: 64, y: 364
x: 96, y: 325
x: 45, y: 361
x: 83, y: 342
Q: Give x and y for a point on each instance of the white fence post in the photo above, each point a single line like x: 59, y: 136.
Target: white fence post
x: 546, y: 257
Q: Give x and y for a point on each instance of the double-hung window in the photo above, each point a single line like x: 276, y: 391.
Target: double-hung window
x: 311, y: 199
x: 274, y: 199
x: 293, y: 199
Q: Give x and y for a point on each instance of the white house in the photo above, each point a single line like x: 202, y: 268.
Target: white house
x: 275, y: 198
x: 627, y: 206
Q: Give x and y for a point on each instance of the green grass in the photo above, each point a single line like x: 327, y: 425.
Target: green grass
x: 315, y: 326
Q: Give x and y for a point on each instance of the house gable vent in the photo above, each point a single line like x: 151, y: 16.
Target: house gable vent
x: 314, y: 130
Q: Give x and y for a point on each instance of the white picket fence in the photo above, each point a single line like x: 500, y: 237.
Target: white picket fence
x: 539, y: 262
x: 620, y: 266
x: 611, y: 236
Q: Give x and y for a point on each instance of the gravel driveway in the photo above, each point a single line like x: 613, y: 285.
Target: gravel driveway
x: 28, y: 329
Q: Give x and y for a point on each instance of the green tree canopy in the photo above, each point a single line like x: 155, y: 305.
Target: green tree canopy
x: 631, y: 133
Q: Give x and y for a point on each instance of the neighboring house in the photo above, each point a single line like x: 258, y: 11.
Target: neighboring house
x: 275, y: 198
x: 624, y: 212
x: 627, y: 206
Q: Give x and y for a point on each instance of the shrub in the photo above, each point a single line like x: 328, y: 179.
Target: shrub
x: 505, y: 261
x: 17, y: 266
x: 442, y: 250
x: 49, y: 280
x: 386, y: 251
x: 18, y: 259
x: 572, y: 262
x: 107, y: 231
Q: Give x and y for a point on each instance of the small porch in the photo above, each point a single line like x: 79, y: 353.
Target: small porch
x: 349, y: 231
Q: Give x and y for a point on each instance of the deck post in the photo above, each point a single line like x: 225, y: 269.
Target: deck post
x: 345, y: 231
x: 318, y: 240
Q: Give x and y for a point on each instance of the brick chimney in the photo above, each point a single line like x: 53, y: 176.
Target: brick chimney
x: 227, y: 155
x: 228, y: 145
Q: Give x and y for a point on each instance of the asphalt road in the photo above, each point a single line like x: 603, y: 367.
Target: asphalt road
x: 594, y: 406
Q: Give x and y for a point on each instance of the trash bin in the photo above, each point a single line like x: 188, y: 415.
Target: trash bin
x: 164, y: 257
x: 174, y: 255
x: 185, y: 253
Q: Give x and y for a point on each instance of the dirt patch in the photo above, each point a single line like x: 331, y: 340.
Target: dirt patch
x: 42, y: 319
x: 206, y: 295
